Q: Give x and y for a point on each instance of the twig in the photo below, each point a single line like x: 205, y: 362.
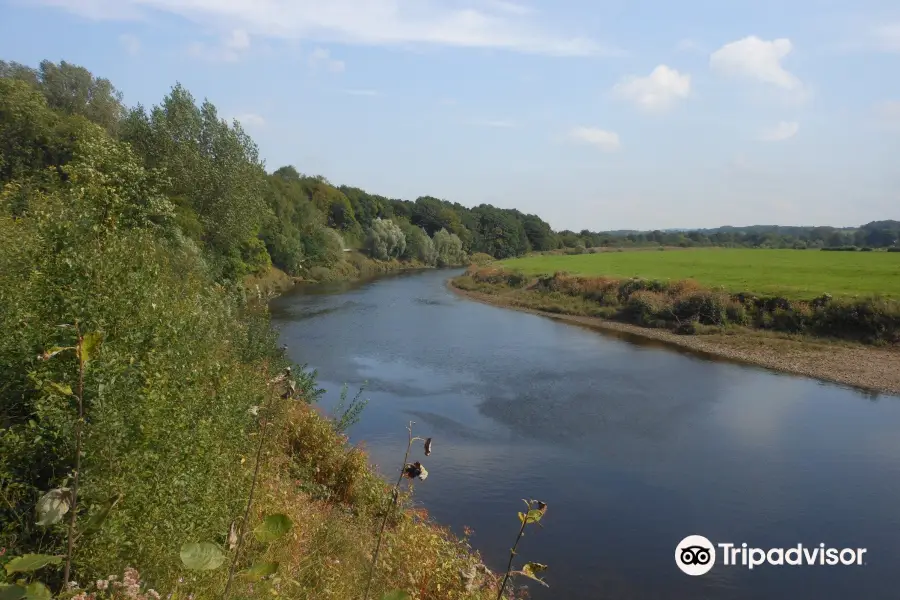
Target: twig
x: 387, y: 512
x: 70, y: 545
x: 512, y: 556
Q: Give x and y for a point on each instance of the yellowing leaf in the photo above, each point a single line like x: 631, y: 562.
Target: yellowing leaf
x: 531, y: 570
x: 61, y: 388
x: 90, y: 343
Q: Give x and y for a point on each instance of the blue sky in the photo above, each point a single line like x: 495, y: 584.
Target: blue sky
x: 599, y: 114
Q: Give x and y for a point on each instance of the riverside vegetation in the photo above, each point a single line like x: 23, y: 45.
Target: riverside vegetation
x: 686, y: 307
x: 150, y: 430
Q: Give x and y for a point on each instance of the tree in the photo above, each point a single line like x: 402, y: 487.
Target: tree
x: 448, y: 249
x: 418, y: 245
x: 385, y: 240
x: 215, y: 176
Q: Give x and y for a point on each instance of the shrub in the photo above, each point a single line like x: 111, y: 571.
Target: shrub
x: 704, y: 306
x: 893, y: 249
x: 736, y: 313
x: 646, y: 307
x: 480, y: 258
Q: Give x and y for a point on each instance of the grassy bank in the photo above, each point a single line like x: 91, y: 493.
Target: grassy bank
x: 686, y: 307
x: 792, y: 274
x: 862, y: 366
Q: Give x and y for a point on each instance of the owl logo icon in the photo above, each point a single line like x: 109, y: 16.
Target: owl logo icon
x: 695, y: 555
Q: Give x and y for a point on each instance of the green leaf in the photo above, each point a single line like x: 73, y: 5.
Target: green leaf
x: 90, y: 343
x: 396, y: 595
x: 203, y: 556
x: 37, y: 591
x: 53, y: 505
x: 61, y: 388
x: 11, y: 592
x: 272, y: 528
x: 31, y: 562
x: 96, y: 521
x: 531, y: 570
x: 260, y: 570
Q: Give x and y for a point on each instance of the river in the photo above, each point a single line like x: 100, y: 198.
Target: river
x: 633, y: 447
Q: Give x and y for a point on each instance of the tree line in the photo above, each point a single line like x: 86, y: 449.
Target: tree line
x: 877, y: 234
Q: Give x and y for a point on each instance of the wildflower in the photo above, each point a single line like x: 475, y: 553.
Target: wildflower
x: 253, y: 410
x: 72, y: 585
x: 131, y: 577
x: 112, y: 577
x: 102, y: 584
x: 153, y: 594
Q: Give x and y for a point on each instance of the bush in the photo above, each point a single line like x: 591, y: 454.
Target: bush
x: 709, y: 308
x: 736, y: 313
x: 647, y: 308
x: 893, y: 249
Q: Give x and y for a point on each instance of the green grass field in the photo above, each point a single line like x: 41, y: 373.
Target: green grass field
x: 799, y: 274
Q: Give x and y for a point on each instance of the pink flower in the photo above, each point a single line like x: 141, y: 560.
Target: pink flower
x: 102, y: 584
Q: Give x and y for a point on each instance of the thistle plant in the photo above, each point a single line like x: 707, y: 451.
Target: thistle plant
x: 408, y: 471
x: 534, y: 513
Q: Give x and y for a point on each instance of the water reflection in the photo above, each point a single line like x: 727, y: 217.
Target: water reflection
x: 633, y: 446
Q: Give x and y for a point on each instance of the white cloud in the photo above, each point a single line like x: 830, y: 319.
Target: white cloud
x: 239, y: 40
x: 656, y: 92
x: 605, y: 140
x: 756, y: 59
x: 250, y: 120
x: 363, y: 92
x: 888, y: 37
x: 364, y: 22
x: 320, y: 58
x: 510, y: 7
x: 131, y: 43
x: 780, y: 132
x: 229, y: 49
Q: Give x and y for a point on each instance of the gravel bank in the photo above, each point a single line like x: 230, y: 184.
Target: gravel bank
x: 856, y: 365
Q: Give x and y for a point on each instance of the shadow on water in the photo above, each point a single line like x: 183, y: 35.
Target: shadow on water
x: 633, y: 446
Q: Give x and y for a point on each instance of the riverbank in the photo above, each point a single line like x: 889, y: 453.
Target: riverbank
x: 856, y: 365
x: 356, y: 266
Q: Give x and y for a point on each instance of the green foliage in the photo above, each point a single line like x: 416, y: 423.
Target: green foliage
x: 210, y: 167
x: 31, y: 562
x: 385, y: 240
x: 203, y: 556
x: 272, y: 528
x: 419, y: 246
x: 448, y: 249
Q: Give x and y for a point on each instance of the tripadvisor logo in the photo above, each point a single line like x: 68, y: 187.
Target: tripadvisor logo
x: 696, y: 555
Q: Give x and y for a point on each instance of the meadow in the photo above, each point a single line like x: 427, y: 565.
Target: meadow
x: 794, y: 274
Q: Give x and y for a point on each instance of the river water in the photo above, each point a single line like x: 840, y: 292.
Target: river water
x: 633, y: 447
